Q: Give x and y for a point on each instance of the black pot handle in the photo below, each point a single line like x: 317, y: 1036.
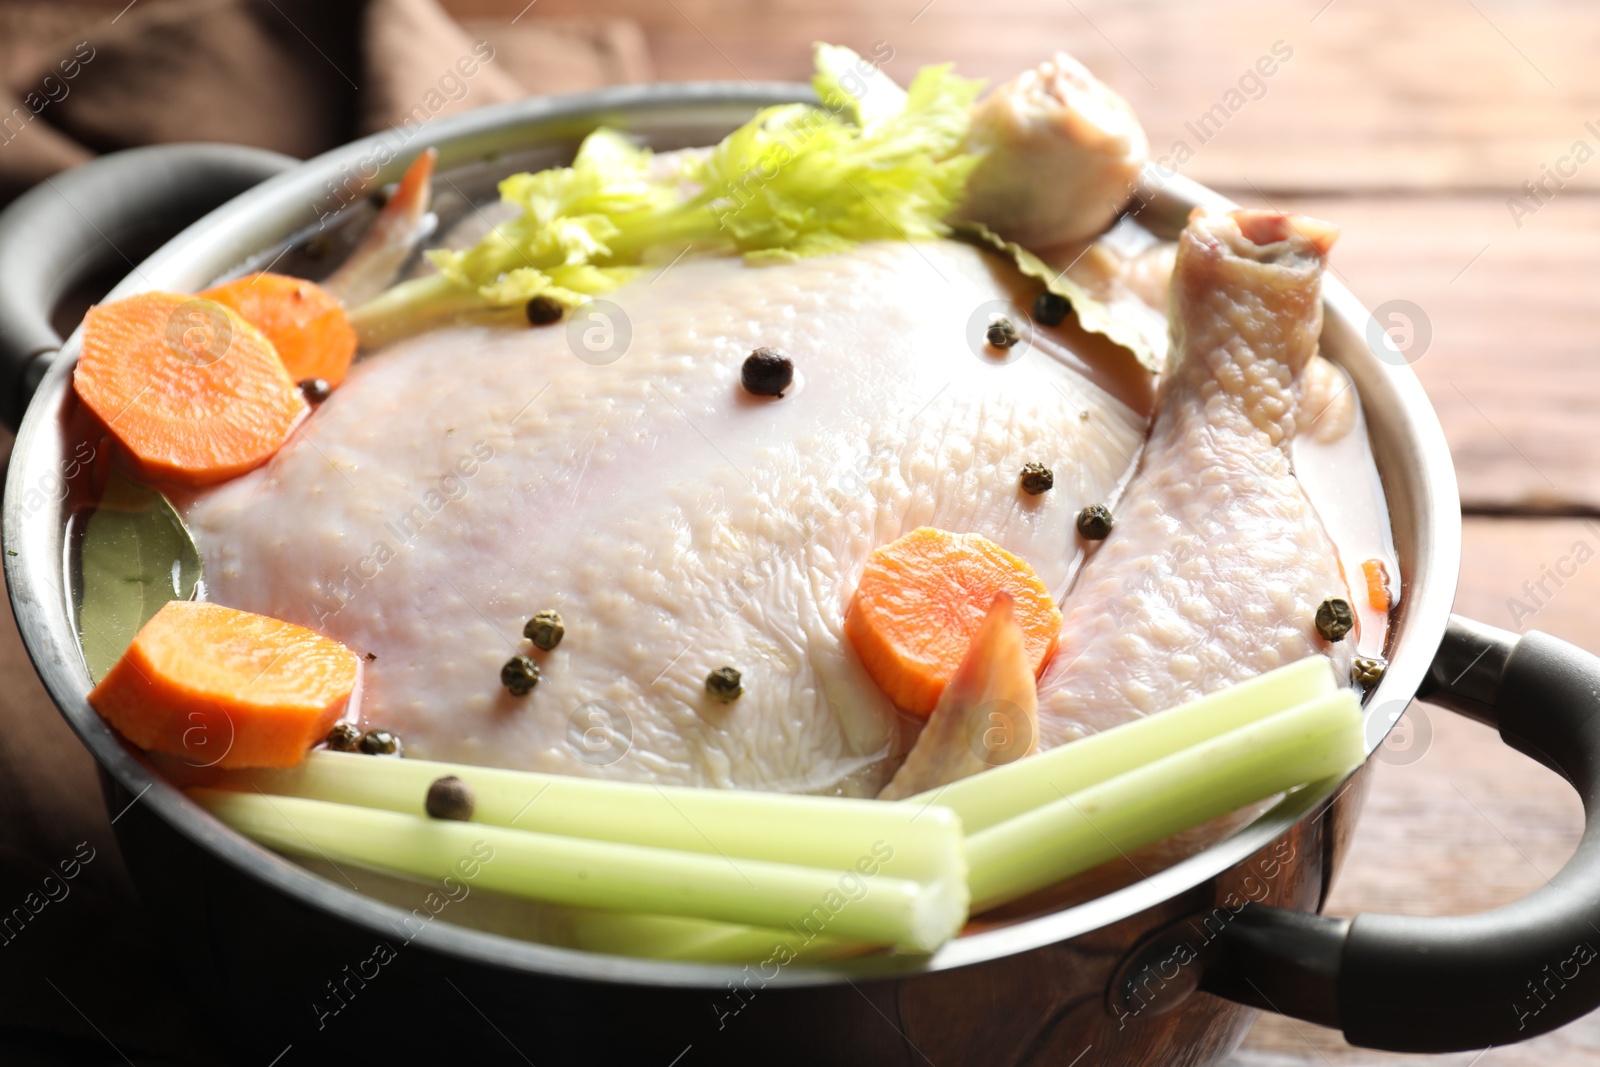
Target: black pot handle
x: 107, y: 212
x: 1450, y: 984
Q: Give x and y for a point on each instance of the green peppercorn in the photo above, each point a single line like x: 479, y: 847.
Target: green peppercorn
x: 545, y: 630
x: 380, y: 743
x: 519, y: 675
x: 1050, y: 309
x: 1095, y: 522
x: 450, y: 798
x: 1335, y: 619
x: 542, y: 311
x: 1002, y: 332
x: 1369, y: 670
x: 315, y: 390
x: 725, y: 684
x: 1037, y: 478
x: 767, y: 372
x: 345, y: 737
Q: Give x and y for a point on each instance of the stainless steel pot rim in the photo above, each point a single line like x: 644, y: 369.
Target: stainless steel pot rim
x: 287, y: 204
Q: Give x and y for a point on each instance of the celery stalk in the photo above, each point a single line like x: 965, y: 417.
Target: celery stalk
x: 836, y: 833
x: 601, y: 874
x: 796, y: 180
x: 1082, y: 829
x: 419, y: 304
x: 659, y: 937
x: 1001, y: 793
x: 672, y: 872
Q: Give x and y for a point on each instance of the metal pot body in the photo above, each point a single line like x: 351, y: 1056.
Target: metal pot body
x: 292, y: 961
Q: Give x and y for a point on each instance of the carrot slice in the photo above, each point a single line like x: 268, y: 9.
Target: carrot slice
x: 193, y: 391
x: 304, y: 322
x: 922, y: 600
x: 1377, y: 584
x: 226, y: 688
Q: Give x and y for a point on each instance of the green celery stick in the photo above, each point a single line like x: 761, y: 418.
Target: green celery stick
x: 602, y: 874
x: 1083, y: 829
x: 659, y: 937
x: 826, y: 832
x: 1010, y: 790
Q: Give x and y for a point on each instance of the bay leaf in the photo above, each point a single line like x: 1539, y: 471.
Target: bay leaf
x: 136, y: 555
x: 1146, y: 343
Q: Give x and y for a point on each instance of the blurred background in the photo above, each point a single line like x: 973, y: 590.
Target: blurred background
x: 1455, y: 141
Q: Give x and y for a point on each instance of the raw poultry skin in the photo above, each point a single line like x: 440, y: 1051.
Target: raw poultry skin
x: 1218, y: 561
x: 461, y: 481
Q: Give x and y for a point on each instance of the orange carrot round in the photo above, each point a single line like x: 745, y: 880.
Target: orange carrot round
x: 922, y: 599
x: 304, y: 322
x: 193, y: 391
x: 226, y: 688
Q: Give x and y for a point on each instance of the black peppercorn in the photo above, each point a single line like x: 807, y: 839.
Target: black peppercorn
x: 1335, y: 619
x: 725, y: 684
x: 318, y: 246
x: 315, y: 390
x: 450, y: 798
x: 1049, y: 309
x: 519, y: 675
x: 1095, y: 522
x: 545, y: 630
x: 767, y: 372
x: 380, y: 743
x: 345, y: 737
x: 1037, y: 478
x: 542, y: 311
x: 1002, y: 333
x: 1369, y: 670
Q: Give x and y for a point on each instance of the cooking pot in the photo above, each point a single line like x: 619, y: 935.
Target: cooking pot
x: 1169, y: 969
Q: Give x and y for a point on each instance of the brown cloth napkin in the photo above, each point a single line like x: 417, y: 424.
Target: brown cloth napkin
x: 83, y: 979
x: 296, y: 76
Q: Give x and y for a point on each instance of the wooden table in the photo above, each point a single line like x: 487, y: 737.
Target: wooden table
x: 1414, y: 126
